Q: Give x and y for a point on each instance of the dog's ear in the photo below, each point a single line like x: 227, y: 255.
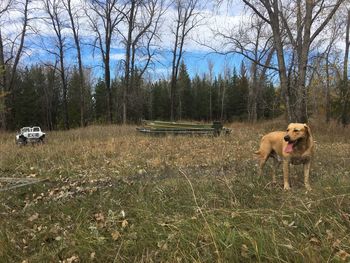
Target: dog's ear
x: 307, y: 129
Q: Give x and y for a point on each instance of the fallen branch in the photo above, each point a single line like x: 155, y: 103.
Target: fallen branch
x: 22, y: 182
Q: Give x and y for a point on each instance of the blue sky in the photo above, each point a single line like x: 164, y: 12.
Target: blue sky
x: 196, y: 56
x: 197, y: 62
x: 224, y: 18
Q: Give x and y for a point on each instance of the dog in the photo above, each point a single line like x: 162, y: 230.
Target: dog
x: 295, y: 146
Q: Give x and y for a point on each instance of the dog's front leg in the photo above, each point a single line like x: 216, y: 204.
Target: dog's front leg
x: 275, y: 166
x: 286, y: 174
x: 306, y: 175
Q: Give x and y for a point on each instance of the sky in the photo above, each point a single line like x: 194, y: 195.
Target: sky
x: 40, y: 41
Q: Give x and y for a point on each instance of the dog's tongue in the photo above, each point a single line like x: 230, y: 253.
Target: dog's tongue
x: 289, y: 148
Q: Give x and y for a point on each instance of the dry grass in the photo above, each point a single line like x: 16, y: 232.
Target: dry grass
x: 113, y: 195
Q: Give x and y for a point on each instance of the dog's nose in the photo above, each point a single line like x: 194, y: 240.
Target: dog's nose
x: 287, y: 138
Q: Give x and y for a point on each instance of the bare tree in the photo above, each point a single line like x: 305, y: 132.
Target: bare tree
x: 253, y: 41
x: 224, y: 88
x: 345, y: 93
x: 187, y: 18
x: 333, y: 37
x: 211, y: 73
x: 50, y: 93
x: 142, y: 19
x: 104, y: 17
x: 55, y: 12
x: 75, y: 26
x: 302, y: 21
x: 9, y: 63
x: 4, y: 6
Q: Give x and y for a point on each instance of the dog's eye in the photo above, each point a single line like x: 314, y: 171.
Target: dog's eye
x: 287, y: 130
x: 296, y: 130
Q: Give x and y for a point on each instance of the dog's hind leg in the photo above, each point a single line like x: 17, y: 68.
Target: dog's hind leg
x: 264, y: 154
x: 263, y: 157
x: 276, y: 164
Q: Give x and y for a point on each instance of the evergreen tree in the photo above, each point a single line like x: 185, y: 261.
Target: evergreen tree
x: 73, y: 97
x: 160, y: 101
x: 184, y: 91
x: 242, y: 98
x: 100, y: 99
x: 267, y: 104
x: 232, y: 96
x: 26, y: 111
x: 201, y: 98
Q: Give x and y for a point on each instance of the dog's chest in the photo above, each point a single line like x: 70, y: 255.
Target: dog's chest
x: 295, y: 160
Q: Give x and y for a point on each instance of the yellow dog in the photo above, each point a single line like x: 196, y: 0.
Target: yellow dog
x: 294, y: 146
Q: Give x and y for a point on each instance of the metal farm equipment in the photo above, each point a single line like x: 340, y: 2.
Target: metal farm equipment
x: 164, y: 127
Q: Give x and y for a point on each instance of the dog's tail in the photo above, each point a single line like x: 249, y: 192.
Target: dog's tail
x: 257, y: 152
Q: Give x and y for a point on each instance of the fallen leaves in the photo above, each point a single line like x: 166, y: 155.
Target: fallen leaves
x: 99, y: 217
x: 112, y: 222
x: 115, y: 235
x: 125, y: 223
x: 72, y: 259
x: 244, y: 251
x: 116, y: 195
x: 336, y: 243
x: 33, y: 217
x: 100, y: 220
x: 342, y: 255
x: 315, y: 241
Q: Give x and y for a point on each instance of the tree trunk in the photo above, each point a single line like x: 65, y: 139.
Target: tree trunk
x: 173, y: 74
x: 8, y: 78
x: 327, y: 97
x: 108, y: 88
x: 2, y: 85
x: 345, y: 87
x: 300, y: 37
x: 126, y: 87
x: 252, y: 95
x: 80, y: 64
x: 223, y: 101
x: 65, y: 88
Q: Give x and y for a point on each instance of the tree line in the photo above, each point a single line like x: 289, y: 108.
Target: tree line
x: 37, y: 99
x: 292, y: 62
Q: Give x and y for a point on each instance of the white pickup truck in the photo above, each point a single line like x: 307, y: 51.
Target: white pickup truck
x: 30, y: 135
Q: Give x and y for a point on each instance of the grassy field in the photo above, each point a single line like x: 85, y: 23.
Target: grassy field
x: 113, y: 195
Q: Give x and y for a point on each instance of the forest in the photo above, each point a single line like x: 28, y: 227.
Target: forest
x: 290, y: 59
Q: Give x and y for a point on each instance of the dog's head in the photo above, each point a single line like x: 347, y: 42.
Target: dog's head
x: 295, y: 133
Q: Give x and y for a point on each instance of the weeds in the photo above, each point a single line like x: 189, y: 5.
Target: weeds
x: 112, y: 195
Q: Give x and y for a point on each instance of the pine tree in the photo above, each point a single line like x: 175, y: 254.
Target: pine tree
x: 100, y: 99
x: 26, y: 111
x: 74, y: 99
x: 160, y: 101
x: 184, y: 92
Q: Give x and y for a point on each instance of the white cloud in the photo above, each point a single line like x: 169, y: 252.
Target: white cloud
x: 117, y: 56
x: 223, y: 18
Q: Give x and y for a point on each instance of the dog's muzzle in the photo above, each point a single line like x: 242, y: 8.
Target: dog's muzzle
x: 287, y: 138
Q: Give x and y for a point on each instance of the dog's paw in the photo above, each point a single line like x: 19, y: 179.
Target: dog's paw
x: 286, y: 187
x: 308, y: 188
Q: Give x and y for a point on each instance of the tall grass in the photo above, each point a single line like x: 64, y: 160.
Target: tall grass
x: 114, y: 195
